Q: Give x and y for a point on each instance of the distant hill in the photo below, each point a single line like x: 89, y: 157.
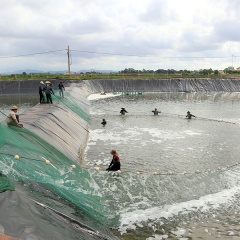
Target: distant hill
x: 25, y: 70
x: 28, y: 71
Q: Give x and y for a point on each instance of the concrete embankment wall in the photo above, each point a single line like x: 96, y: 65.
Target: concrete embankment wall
x: 23, y: 86
x: 62, y: 124
x: 165, y: 85
x: 147, y: 85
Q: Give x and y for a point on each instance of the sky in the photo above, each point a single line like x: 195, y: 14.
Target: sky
x: 118, y: 34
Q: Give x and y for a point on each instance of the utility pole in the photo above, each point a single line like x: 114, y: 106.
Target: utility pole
x: 69, y: 71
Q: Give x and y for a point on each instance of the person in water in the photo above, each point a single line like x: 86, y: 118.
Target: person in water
x: 40, y: 90
x: 115, y: 163
x: 123, y: 111
x: 12, y: 118
x: 189, y: 115
x: 156, y: 112
x: 103, y: 122
x: 48, y: 91
x: 61, y: 88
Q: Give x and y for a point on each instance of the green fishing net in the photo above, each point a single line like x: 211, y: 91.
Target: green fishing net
x: 5, y: 183
x: 40, y: 162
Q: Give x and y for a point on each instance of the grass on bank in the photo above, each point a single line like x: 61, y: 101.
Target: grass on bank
x: 88, y: 76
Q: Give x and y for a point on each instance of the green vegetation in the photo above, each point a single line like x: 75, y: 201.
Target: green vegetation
x: 130, y: 73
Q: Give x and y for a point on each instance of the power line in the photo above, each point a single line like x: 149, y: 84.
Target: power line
x: 132, y: 55
x: 31, y: 54
x: 118, y: 54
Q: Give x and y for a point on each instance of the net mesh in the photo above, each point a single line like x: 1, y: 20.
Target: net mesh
x: 40, y: 162
x: 5, y: 183
x: 77, y: 104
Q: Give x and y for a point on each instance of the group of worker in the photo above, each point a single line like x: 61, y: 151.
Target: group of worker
x: 44, y: 88
x: 13, y: 118
x: 189, y: 115
x: 47, y: 89
x: 155, y: 112
x: 115, y: 163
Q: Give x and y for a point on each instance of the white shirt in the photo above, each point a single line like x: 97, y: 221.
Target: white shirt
x: 11, y: 117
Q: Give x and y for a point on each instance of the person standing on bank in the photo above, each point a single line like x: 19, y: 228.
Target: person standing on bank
x: 48, y: 91
x: 115, y: 163
x: 61, y: 88
x: 189, y: 115
x: 40, y: 90
x: 12, y: 118
x: 156, y: 112
x: 123, y: 111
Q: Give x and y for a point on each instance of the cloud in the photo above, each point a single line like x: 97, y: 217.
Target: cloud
x: 157, y: 29
x: 158, y: 12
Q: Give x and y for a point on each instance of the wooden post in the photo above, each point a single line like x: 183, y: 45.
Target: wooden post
x: 69, y: 71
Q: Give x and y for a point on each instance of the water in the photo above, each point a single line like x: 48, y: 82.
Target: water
x: 180, y: 178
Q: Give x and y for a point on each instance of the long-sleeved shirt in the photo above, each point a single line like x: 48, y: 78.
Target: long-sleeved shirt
x: 156, y: 112
x: 61, y: 86
x: 11, y: 117
x: 48, y: 90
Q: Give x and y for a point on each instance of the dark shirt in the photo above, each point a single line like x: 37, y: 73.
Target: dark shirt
x: 48, y: 90
x: 189, y: 116
x: 40, y: 88
x: 103, y: 122
x: 156, y: 112
x: 123, y: 111
x: 115, y: 164
x: 61, y: 86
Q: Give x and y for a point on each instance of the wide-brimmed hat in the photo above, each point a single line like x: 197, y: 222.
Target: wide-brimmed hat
x: 42, y: 82
x: 47, y: 82
x: 14, y: 107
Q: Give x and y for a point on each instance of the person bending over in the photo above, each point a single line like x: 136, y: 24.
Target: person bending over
x: 104, y: 122
x: 115, y: 163
x: 123, y: 111
x: 189, y: 115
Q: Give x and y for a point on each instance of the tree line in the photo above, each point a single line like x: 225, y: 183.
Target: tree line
x: 229, y: 70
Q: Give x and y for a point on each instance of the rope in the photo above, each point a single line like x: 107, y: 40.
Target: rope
x: 17, y: 158
x: 163, y: 113
x: 97, y: 169
x: 155, y: 172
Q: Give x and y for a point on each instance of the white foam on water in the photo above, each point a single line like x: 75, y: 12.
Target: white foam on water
x: 99, y: 134
x: 129, y: 220
x: 158, y: 237
x: 179, y: 232
x: 134, y: 134
x: 100, y: 96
